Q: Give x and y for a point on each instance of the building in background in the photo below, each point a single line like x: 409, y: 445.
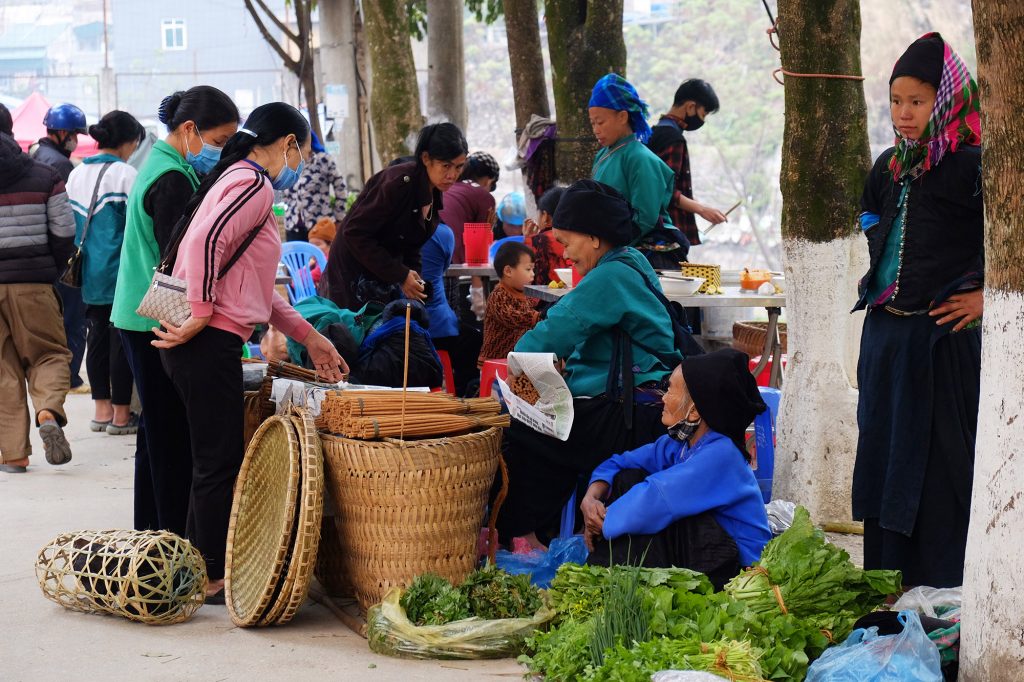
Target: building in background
x: 162, y: 47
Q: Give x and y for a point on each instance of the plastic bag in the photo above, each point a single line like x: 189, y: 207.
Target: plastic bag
x: 865, y: 657
x: 391, y: 633
x: 685, y: 676
x: 924, y: 599
x: 780, y: 515
x: 541, y: 565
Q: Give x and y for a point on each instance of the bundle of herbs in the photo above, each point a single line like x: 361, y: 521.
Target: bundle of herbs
x: 737, y: 661
x: 800, y: 573
x: 493, y: 593
x: 432, y: 600
x: 488, y: 593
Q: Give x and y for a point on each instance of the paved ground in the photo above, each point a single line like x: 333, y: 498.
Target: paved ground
x: 42, y: 641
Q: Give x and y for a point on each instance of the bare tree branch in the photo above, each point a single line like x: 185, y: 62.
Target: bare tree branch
x: 277, y: 22
x: 292, y: 64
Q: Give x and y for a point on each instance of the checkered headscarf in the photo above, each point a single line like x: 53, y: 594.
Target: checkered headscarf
x: 955, y: 120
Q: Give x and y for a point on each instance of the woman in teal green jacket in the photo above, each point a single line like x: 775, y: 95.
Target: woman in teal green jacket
x: 612, y: 319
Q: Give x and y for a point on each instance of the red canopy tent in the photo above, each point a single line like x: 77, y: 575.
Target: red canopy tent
x: 28, y: 126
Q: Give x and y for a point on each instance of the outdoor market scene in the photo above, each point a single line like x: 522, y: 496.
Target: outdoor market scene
x: 529, y: 339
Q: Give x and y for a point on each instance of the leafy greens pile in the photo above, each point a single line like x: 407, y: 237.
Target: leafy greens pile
x: 751, y: 635
x: 488, y: 593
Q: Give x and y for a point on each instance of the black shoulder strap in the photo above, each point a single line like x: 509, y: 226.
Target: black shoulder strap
x: 182, y: 227
x: 92, y: 203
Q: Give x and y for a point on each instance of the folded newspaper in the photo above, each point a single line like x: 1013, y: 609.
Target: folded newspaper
x: 552, y: 414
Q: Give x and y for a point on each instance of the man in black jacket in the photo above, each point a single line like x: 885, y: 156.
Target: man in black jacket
x: 37, y: 232
x: 64, y: 123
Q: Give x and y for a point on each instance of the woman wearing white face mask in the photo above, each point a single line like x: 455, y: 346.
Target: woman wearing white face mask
x: 689, y: 499
x: 228, y: 258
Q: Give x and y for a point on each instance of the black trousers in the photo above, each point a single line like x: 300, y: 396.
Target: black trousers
x: 207, y: 374
x: 543, y: 472
x: 163, y: 452
x: 698, y: 542
x: 110, y: 376
x: 463, y: 350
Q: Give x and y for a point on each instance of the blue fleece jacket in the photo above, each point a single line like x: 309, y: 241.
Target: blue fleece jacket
x: 684, y: 481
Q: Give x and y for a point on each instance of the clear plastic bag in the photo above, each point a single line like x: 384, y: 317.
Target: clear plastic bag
x: 391, y: 633
x: 866, y: 657
x: 542, y: 566
x: 924, y: 599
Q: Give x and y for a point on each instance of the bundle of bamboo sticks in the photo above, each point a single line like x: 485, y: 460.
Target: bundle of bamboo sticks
x: 347, y: 412
x: 419, y: 425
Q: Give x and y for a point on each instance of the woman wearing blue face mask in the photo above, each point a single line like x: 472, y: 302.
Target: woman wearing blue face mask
x: 164, y: 185
x: 228, y: 258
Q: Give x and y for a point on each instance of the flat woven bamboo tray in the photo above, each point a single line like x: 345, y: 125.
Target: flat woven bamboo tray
x: 262, y: 520
x: 302, y: 559
x: 412, y: 507
x: 153, y: 577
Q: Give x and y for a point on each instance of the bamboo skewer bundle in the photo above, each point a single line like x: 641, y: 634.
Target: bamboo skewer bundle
x: 418, y: 426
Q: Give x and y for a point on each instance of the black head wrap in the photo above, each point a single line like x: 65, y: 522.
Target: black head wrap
x: 595, y: 208
x: 923, y: 60
x: 724, y: 391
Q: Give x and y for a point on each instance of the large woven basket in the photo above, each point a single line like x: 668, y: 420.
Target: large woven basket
x: 749, y: 337
x: 412, y: 507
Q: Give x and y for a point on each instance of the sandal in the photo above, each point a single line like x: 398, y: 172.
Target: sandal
x: 13, y: 468
x: 124, y: 429
x: 97, y: 426
x: 216, y: 599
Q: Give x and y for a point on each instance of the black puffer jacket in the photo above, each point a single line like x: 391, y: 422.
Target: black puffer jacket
x: 46, y: 151
x: 37, y: 228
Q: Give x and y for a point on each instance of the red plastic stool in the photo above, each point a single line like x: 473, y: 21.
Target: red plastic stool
x: 446, y: 370
x: 490, y: 370
x: 764, y: 379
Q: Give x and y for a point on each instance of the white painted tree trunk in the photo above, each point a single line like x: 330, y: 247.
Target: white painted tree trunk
x: 817, y: 421
x: 992, y: 636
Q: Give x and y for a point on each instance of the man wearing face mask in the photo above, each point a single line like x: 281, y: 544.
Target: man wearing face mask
x: 689, y: 499
x: 64, y: 123
x: 694, y: 100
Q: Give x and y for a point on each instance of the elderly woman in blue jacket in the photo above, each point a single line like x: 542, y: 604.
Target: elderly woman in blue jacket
x: 689, y: 499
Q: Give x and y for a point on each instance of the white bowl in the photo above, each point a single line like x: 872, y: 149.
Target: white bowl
x: 564, y: 274
x: 677, y: 285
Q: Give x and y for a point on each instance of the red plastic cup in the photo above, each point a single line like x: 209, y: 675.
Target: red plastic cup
x: 477, y: 238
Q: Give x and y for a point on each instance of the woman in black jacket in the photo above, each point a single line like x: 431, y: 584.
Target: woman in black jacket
x: 377, y: 257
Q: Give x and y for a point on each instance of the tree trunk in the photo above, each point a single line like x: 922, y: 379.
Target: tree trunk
x: 529, y: 89
x: 992, y: 646
x: 585, y: 42
x: 825, y: 161
x: 446, y: 84
x: 338, y: 57
x: 395, y: 96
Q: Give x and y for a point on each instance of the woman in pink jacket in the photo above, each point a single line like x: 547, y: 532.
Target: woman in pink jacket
x: 228, y: 256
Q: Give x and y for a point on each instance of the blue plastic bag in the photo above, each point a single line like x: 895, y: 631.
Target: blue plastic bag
x: 541, y: 566
x: 865, y: 657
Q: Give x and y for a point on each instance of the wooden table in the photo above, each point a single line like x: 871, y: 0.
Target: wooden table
x: 733, y: 297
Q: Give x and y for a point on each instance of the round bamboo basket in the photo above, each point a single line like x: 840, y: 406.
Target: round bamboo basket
x: 263, y: 516
x: 412, y: 507
x: 749, y: 337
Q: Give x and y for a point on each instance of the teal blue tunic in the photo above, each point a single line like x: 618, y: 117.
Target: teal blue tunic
x: 644, y: 179
x: 580, y: 327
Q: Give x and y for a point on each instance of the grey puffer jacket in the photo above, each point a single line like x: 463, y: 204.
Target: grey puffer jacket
x: 37, y: 228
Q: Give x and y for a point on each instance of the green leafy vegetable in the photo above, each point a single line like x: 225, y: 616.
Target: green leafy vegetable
x: 816, y: 580
x: 492, y: 593
x: 623, y: 620
x: 431, y: 600
x: 732, y: 660
x: 560, y: 653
